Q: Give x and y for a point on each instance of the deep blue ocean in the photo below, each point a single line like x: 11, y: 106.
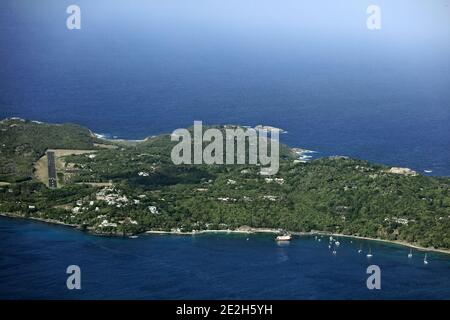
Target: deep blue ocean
x: 139, y: 68
x: 313, y: 68
x: 34, y: 257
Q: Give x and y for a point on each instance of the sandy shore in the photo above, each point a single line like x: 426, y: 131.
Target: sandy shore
x: 191, y: 233
x: 322, y: 233
x: 398, y: 242
x: 239, y: 231
x: 242, y: 230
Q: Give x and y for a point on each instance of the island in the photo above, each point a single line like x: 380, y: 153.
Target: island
x: 64, y: 173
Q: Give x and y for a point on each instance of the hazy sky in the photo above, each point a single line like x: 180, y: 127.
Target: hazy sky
x: 316, y: 42
x: 235, y: 20
x: 138, y: 67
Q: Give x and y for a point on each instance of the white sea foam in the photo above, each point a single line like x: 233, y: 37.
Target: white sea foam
x: 101, y: 135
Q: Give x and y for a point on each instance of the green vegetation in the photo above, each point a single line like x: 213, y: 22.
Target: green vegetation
x: 24, y: 142
x: 148, y: 192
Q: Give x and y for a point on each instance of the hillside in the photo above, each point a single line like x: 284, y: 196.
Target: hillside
x: 23, y: 142
x: 149, y: 192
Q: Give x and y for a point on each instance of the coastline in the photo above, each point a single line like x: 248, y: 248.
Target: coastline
x: 301, y: 234
x: 241, y: 230
x: 397, y: 242
x: 49, y: 221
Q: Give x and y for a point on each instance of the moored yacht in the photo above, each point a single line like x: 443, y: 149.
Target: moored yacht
x: 284, y: 237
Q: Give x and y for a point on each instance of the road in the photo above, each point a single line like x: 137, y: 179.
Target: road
x: 51, y: 169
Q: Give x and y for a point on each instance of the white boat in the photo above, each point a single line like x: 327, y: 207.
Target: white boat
x: 331, y: 239
x: 360, y: 249
x: 286, y: 237
x: 133, y: 237
x: 425, y: 261
x: 334, y: 252
x: 369, y: 255
x: 329, y: 246
x: 337, y: 243
x: 410, y: 254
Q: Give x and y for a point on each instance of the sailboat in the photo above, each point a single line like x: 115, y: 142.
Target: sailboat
x: 410, y: 254
x: 337, y: 243
x: 425, y: 261
x: 369, y: 255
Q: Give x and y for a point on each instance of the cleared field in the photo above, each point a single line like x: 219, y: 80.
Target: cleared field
x: 97, y: 184
x: 105, y: 146
x: 4, y: 183
x: 67, y: 152
x: 41, y: 168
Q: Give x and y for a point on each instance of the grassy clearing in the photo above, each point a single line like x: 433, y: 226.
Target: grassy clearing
x: 41, y: 169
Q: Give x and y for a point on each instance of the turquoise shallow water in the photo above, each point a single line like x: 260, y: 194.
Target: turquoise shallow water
x: 35, y: 255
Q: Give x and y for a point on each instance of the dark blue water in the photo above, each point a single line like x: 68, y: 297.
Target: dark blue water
x: 34, y: 257
x: 310, y: 67
x: 138, y: 68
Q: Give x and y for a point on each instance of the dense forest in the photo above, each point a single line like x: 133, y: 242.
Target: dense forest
x: 133, y: 188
